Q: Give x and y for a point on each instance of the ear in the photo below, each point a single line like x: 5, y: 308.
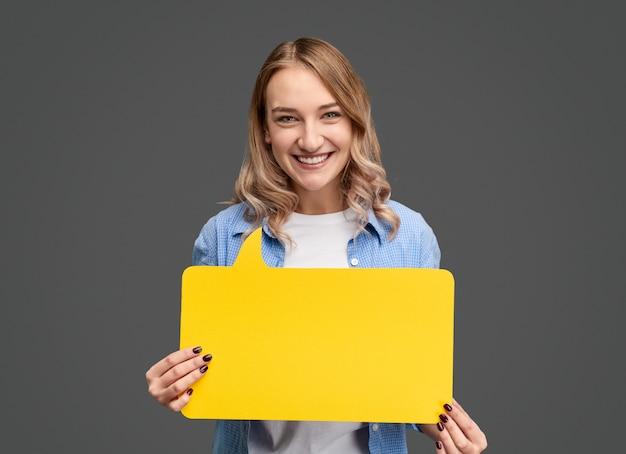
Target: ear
x: 266, y: 136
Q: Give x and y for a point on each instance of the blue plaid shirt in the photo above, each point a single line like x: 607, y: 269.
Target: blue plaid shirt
x: 414, y: 246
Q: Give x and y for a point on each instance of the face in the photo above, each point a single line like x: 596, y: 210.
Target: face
x: 310, y: 137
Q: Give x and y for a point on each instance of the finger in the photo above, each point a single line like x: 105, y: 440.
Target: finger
x: 171, y: 360
x: 463, y: 421
x: 181, y: 401
x: 177, y: 379
x: 446, y: 444
x: 168, y: 396
x: 182, y: 385
x: 462, y: 429
x: 180, y: 370
x: 452, y: 438
x: 458, y: 407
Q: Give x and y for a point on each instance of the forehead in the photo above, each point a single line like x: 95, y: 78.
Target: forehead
x: 296, y: 87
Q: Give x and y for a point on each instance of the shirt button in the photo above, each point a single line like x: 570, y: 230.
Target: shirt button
x: 354, y: 262
x: 374, y: 427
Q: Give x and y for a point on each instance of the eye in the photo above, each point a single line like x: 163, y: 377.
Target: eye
x: 286, y: 119
x: 332, y: 115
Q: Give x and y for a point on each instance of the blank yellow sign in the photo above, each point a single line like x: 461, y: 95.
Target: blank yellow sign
x: 319, y: 344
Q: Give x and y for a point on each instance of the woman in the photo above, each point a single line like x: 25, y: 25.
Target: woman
x: 313, y: 179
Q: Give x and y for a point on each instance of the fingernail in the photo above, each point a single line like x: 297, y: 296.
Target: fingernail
x: 440, y: 426
x: 197, y: 349
x: 204, y: 368
x: 443, y: 418
x: 208, y: 357
x: 189, y: 391
x: 448, y: 407
x: 438, y: 445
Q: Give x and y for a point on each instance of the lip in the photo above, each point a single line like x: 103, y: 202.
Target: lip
x: 325, y: 156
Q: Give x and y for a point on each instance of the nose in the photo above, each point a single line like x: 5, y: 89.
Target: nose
x: 311, y: 139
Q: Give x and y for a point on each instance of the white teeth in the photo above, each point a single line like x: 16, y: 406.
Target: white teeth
x: 312, y: 160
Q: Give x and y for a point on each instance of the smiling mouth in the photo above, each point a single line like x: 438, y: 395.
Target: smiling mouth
x: 313, y: 159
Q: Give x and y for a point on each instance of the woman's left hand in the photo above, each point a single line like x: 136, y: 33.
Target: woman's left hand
x: 457, y: 433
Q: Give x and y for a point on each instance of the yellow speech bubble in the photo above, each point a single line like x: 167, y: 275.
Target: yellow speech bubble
x: 319, y: 344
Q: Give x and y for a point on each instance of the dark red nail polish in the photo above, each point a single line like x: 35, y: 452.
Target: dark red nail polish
x: 208, y: 357
x: 448, y: 407
x: 204, y: 368
x: 438, y: 445
x: 440, y: 426
x: 197, y: 349
x: 443, y: 418
x: 189, y: 391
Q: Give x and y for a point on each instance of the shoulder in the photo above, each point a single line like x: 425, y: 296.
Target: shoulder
x: 220, y: 234
x: 411, y: 222
x: 416, y: 234
x: 230, y: 219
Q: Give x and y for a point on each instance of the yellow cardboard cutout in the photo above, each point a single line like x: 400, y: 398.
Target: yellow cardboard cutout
x: 372, y: 345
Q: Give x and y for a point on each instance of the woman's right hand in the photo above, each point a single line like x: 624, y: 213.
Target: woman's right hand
x: 170, y: 380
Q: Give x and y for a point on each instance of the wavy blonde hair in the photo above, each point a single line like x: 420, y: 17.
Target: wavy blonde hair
x: 264, y: 186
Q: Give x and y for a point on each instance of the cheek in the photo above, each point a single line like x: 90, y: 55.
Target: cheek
x: 347, y: 136
x: 281, y: 141
x: 277, y: 152
x: 348, y: 144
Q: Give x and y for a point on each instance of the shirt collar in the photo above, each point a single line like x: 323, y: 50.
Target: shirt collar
x: 240, y: 225
x: 374, y: 226
x: 377, y: 227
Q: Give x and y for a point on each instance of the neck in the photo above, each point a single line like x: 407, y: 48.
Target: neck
x: 324, y: 201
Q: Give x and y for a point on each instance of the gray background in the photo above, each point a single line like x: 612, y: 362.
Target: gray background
x: 124, y: 123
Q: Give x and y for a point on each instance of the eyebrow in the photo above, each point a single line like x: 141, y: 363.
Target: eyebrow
x: 292, y: 110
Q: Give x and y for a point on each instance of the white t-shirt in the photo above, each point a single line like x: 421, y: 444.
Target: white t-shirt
x: 319, y: 241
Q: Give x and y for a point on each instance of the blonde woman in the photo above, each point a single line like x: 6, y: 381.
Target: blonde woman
x: 314, y: 181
